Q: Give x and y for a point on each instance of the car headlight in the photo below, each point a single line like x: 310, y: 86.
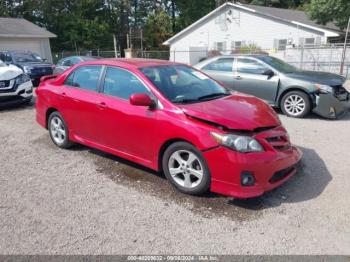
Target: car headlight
x: 27, y: 69
x: 325, y: 89
x: 21, y: 79
x: 238, y: 143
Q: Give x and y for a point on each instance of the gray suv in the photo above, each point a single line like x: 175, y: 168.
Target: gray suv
x: 282, y: 85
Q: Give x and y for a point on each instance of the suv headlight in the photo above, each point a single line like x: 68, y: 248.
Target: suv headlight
x: 21, y: 79
x: 27, y: 69
x: 325, y: 89
x: 243, y: 144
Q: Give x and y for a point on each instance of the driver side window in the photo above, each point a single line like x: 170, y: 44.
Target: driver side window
x: 222, y: 64
x: 122, y: 83
x: 67, y: 62
x: 250, y: 66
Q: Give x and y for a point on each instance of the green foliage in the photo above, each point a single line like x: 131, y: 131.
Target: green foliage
x: 324, y: 11
x: 249, y: 49
x: 279, y: 3
x: 192, y: 10
x: 158, y: 29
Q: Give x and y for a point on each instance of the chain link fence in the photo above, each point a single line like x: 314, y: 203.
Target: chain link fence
x: 56, y: 56
x: 316, y: 58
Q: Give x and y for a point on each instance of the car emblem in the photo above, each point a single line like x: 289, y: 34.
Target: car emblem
x: 2, y: 84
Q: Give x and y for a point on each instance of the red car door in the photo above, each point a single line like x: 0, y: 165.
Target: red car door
x: 81, y: 109
x: 125, y: 127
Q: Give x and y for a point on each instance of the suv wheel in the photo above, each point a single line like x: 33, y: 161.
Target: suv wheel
x: 296, y: 104
x: 58, y: 130
x: 186, y: 169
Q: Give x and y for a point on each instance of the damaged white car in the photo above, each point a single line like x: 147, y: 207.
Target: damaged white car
x: 15, y: 86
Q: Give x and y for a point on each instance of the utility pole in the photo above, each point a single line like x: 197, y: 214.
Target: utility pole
x: 115, y: 46
x: 141, y: 32
x: 344, y: 49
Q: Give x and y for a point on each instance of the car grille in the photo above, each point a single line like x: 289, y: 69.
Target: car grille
x: 41, y: 71
x: 341, y: 93
x: 279, y: 143
x: 4, y: 84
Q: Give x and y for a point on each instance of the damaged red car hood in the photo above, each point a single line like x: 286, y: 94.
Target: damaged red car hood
x: 237, y: 111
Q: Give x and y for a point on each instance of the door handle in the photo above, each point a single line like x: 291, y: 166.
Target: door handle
x: 102, y: 105
x: 238, y: 77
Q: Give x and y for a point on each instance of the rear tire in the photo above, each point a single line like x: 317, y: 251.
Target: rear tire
x: 58, y: 130
x: 296, y: 104
x: 186, y: 169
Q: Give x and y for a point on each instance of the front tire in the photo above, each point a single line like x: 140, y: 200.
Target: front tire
x: 296, y: 104
x: 186, y: 169
x: 58, y: 130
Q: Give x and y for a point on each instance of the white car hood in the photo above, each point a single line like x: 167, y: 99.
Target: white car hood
x: 9, y: 72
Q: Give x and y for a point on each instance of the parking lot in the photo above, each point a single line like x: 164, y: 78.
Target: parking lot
x: 83, y: 201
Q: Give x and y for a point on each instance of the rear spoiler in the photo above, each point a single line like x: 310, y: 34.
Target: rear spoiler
x: 48, y: 77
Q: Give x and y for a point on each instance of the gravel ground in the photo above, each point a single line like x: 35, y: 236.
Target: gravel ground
x: 82, y: 201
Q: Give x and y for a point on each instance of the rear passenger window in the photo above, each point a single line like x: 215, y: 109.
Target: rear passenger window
x: 222, y: 64
x: 121, y: 83
x: 85, y: 77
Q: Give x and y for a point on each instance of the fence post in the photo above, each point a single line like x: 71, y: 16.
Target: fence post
x: 330, y: 59
x: 301, y: 57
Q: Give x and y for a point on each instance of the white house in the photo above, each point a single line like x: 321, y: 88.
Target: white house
x: 20, y: 34
x: 231, y: 26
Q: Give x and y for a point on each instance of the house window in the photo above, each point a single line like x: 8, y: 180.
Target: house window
x: 309, y: 41
x: 237, y: 44
x: 220, y: 46
x: 280, y: 44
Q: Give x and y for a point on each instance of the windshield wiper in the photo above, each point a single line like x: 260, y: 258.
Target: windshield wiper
x: 185, y: 101
x: 214, y: 95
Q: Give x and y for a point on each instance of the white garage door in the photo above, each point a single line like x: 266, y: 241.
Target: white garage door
x: 21, y: 44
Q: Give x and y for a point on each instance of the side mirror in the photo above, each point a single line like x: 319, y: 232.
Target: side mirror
x: 268, y: 73
x: 142, y: 100
x: 44, y: 59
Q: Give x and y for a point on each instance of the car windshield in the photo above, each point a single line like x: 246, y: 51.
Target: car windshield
x: 279, y: 65
x: 24, y: 57
x: 183, y: 84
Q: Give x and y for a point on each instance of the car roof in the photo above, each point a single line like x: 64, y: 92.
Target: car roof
x: 19, y: 51
x: 244, y: 55
x: 80, y: 56
x: 130, y: 62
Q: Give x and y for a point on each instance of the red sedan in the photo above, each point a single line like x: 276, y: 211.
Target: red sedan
x: 172, y: 118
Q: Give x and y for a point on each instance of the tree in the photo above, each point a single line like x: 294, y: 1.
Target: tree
x: 158, y: 28
x: 192, y: 10
x: 279, y: 3
x: 324, y: 11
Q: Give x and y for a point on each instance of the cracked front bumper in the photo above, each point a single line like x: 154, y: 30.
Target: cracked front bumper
x: 329, y: 106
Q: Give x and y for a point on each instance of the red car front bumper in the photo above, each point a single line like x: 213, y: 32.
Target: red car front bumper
x: 270, y: 168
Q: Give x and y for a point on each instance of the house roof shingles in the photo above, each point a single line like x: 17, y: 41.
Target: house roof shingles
x: 292, y: 15
x: 19, y: 27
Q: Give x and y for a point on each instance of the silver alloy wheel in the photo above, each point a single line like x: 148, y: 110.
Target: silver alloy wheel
x: 185, y: 168
x: 294, y: 105
x: 58, y: 131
